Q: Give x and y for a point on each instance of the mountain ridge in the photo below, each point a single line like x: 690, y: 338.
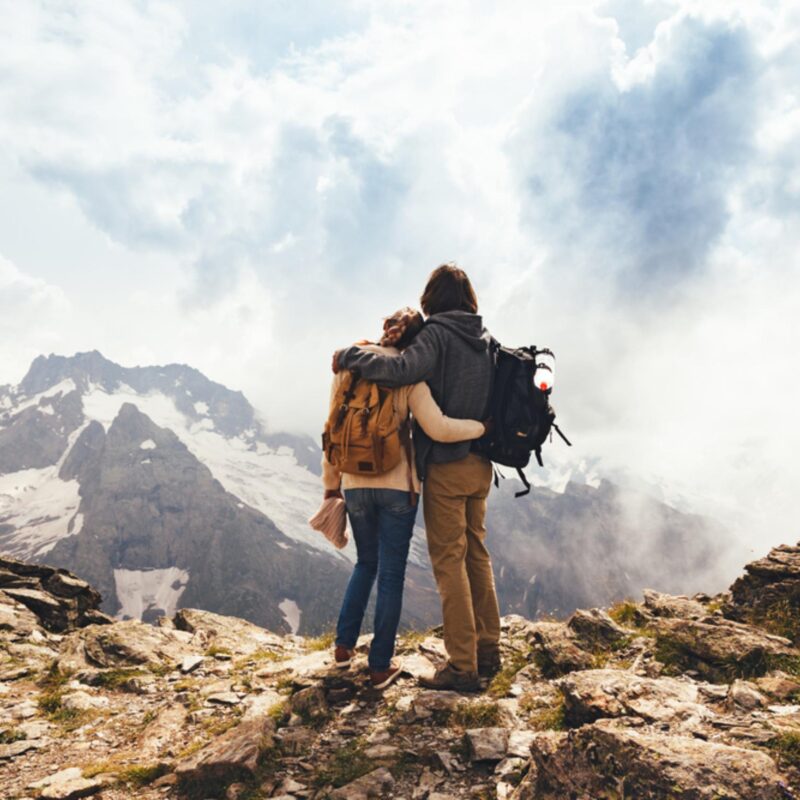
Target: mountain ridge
x: 585, y: 540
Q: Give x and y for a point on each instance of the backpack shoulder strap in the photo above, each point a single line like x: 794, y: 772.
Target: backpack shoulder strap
x: 525, y: 482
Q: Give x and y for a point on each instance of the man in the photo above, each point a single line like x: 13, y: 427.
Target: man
x: 452, y: 353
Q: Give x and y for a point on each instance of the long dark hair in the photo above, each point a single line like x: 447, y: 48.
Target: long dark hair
x: 448, y: 289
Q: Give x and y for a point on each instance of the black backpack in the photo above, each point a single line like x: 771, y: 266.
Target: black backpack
x: 520, y: 410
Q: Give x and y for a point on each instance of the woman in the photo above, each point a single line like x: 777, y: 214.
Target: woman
x: 382, y: 513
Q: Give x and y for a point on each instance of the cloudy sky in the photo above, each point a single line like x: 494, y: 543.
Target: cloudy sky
x: 244, y: 185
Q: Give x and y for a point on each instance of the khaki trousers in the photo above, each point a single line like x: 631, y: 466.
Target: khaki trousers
x: 454, y: 505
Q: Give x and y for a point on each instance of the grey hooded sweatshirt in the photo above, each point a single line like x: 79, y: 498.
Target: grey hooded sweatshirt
x: 452, y: 354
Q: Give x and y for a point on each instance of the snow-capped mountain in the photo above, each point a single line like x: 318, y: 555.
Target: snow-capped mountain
x: 165, y: 489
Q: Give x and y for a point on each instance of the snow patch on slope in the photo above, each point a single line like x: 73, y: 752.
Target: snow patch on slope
x: 38, y: 505
x: 149, y: 590
x: 62, y: 388
x: 267, y: 479
x: 291, y: 613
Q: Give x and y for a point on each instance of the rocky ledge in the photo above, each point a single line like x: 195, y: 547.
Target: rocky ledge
x: 670, y: 697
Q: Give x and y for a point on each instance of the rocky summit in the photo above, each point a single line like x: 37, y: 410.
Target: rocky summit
x: 687, y: 698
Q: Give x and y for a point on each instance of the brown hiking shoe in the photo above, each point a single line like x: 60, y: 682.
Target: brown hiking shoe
x: 343, y: 656
x: 448, y: 677
x: 380, y: 679
x: 489, y: 662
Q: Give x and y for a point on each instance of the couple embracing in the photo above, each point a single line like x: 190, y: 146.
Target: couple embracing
x: 436, y: 373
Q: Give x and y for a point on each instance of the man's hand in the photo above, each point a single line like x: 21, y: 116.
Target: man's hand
x: 488, y: 426
x: 333, y: 493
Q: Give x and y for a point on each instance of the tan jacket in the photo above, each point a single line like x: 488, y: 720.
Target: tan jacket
x: 417, y: 400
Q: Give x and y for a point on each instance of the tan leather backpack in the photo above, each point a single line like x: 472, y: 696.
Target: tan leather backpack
x: 364, y: 434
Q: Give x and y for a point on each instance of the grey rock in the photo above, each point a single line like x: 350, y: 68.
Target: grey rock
x: 718, y: 648
x: 129, y: 643
x: 68, y: 784
x: 666, y: 605
x: 310, y: 703
x: 558, y: 649
x: 83, y: 701
x: 592, y: 694
x: 584, y: 762
x: 14, y: 749
x: 232, y: 756
x: 191, y: 663
x: 487, y: 744
x: 743, y: 694
x: 371, y: 785
x: 594, y: 628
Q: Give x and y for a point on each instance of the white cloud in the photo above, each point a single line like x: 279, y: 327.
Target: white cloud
x: 620, y: 179
x: 32, y: 313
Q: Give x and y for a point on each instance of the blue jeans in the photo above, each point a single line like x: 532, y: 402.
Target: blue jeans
x: 382, y: 521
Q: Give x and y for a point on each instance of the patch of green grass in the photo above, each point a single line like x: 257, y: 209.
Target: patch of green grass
x: 787, y: 749
x: 678, y: 659
x: 191, y: 748
x: 480, y: 714
x: 323, y: 642
x: 215, y: 725
x: 142, y: 775
x: 54, y: 677
x: 715, y: 605
x: 546, y: 666
x: 50, y: 704
x: 148, y: 717
x: 316, y: 720
x: 347, y: 764
x: 406, y: 764
x: 258, y: 657
x: 544, y: 714
x: 279, y: 713
x: 626, y: 612
x: 551, y: 718
x: 410, y: 640
x: 107, y: 767
x: 11, y: 735
x: 114, y: 679
x: 782, y: 617
x: 500, y: 685
x: 217, y: 650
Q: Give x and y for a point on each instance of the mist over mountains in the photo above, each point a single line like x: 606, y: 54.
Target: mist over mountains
x: 165, y: 490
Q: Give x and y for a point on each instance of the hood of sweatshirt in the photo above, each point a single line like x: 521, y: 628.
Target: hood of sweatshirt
x: 465, y: 325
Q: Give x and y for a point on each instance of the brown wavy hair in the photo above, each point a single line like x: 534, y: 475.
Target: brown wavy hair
x: 400, y: 328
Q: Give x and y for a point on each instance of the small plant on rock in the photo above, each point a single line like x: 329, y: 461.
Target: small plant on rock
x: 625, y: 613
x: 114, y: 679
x: 142, y: 775
x: 347, y: 764
x: 323, y: 642
x: 787, y: 749
x: 547, y: 716
x: 480, y: 714
x: 500, y: 685
x: 11, y: 735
